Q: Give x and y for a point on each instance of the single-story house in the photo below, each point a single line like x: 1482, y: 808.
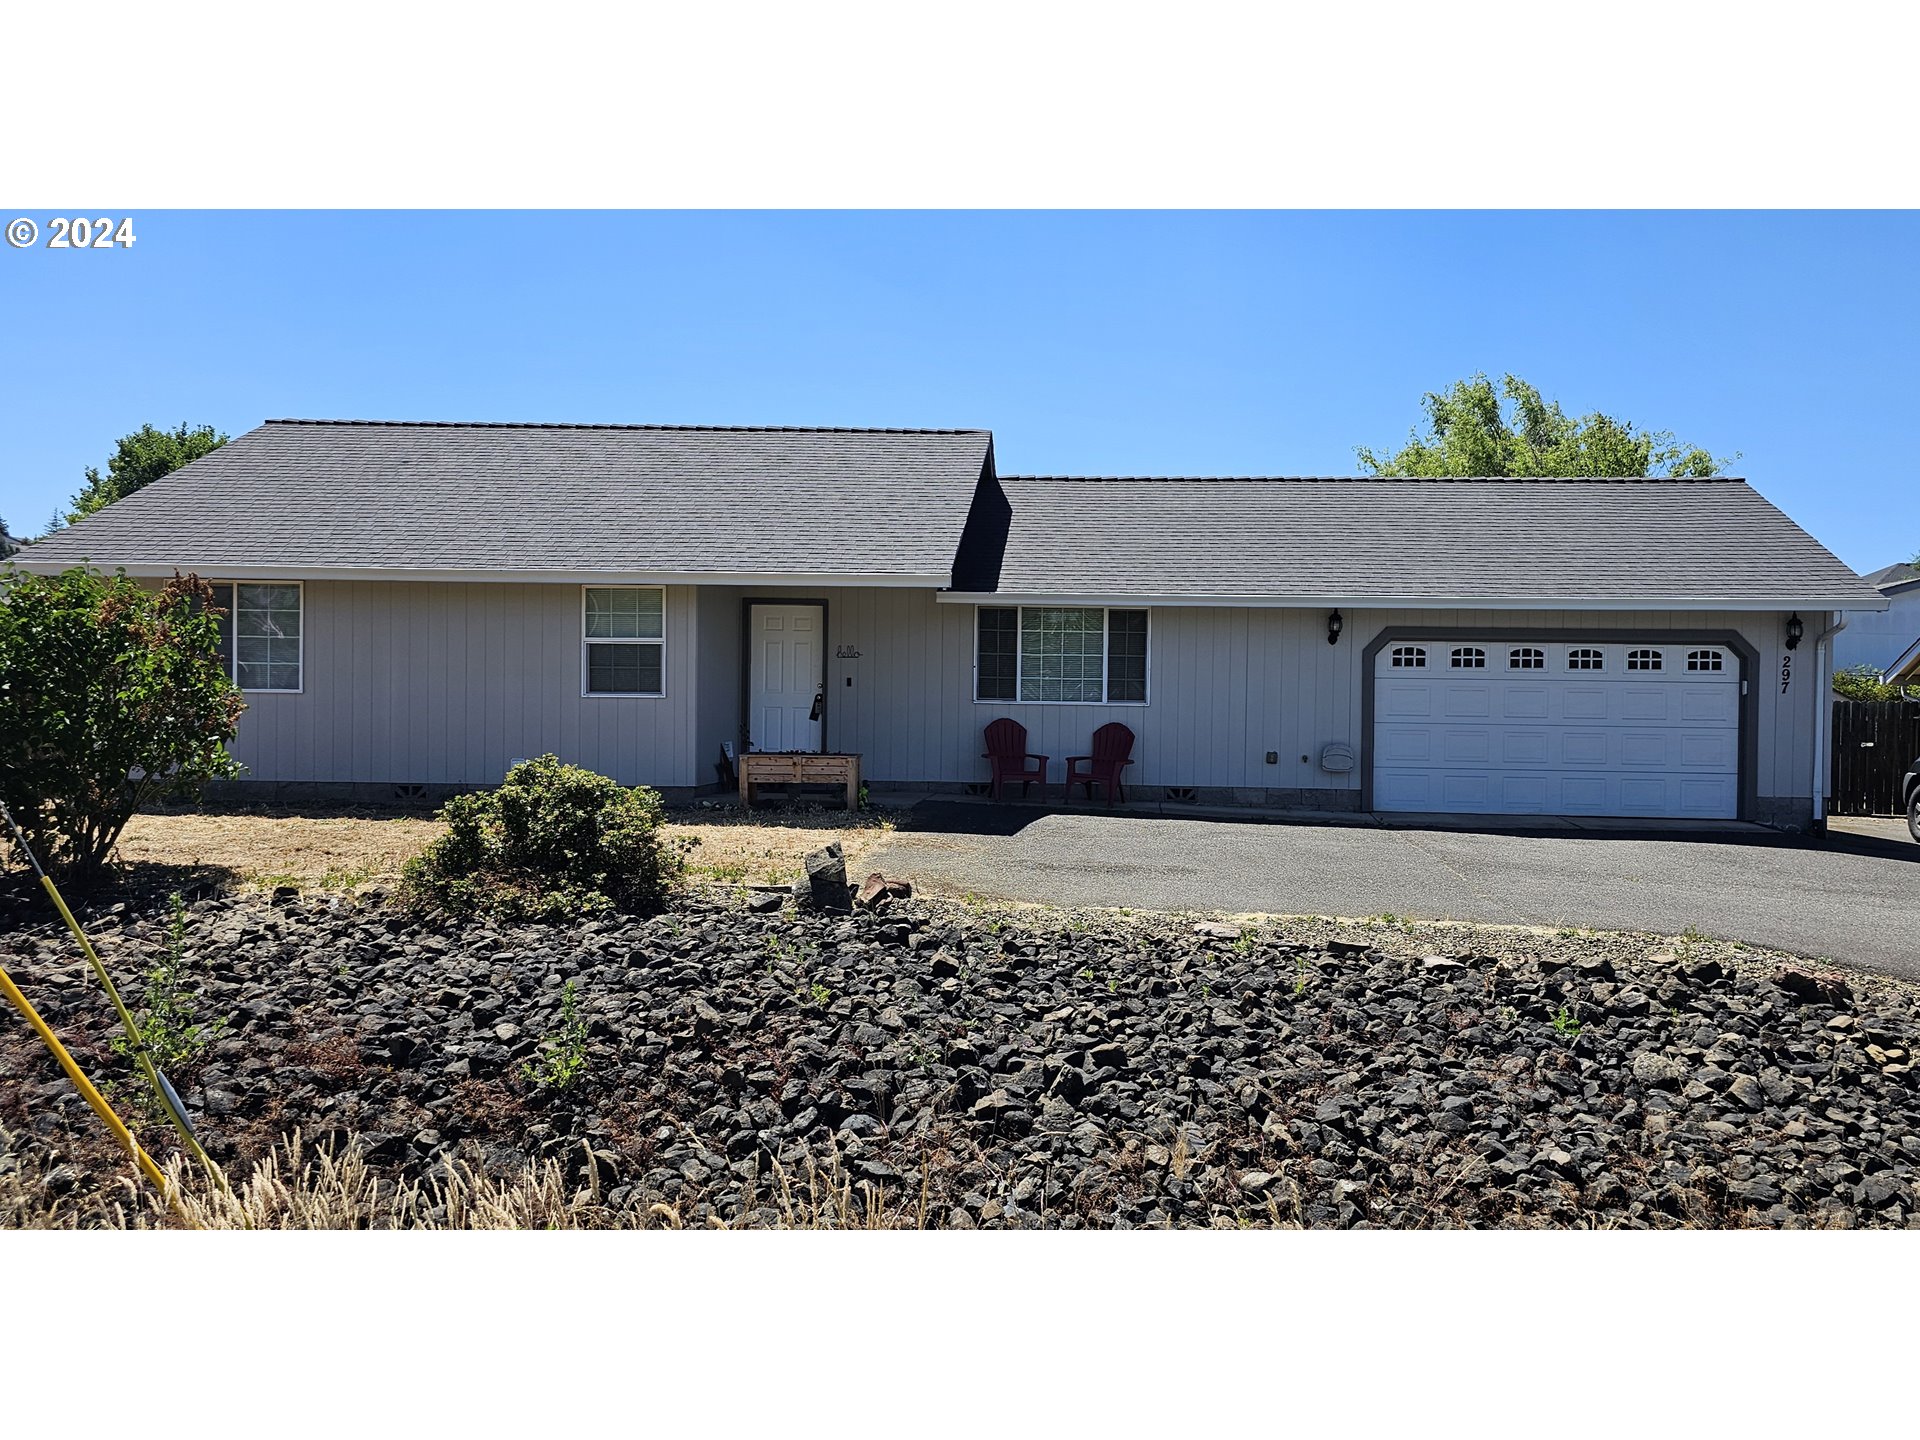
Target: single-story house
x: 415, y: 606
x: 1880, y: 638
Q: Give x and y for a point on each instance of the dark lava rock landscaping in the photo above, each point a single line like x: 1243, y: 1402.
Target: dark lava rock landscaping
x: 967, y: 1068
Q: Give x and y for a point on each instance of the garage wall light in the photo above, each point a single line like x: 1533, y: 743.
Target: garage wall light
x: 1334, y: 626
x: 1794, y: 631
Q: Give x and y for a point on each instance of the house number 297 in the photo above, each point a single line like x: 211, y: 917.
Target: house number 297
x: 1786, y: 671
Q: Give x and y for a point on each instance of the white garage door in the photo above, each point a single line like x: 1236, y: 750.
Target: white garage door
x: 1520, y: 726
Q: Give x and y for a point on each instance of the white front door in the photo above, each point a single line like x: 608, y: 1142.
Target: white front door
x: 786, y: 677
x: 1555, y: 727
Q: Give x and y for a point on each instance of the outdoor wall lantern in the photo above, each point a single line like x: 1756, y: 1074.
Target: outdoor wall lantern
x: 1794, y: 631
x: 1334, y: 625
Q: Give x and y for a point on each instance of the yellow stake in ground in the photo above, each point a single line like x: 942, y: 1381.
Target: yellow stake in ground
x: 163, y: 1092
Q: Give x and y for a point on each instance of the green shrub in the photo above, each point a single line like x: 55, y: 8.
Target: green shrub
x: 552, y: 843
x: 112, y: 696
x: 1863, y: 682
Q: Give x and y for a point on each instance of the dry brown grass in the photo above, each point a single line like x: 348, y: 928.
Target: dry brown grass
x: 768, y: 845
x: 350, y: 849
x: 297, y: 1188
x: 336, y: 851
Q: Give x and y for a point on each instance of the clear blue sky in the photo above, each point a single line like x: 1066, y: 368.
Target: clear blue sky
x: 1151, y: 343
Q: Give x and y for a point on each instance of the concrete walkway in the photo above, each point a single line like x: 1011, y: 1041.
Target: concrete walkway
x: 1853, y: 896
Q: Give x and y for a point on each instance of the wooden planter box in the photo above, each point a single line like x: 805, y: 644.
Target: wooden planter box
x: 799, y: 768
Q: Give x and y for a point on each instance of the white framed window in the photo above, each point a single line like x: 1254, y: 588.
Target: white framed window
x: 1409, y: 657
x: 261, y: 635
x: 1645, y: 660
x: 1526, y: 657
x: 1060, y: 655
x: 1699, y: 660
x: 1467, y: 657
x: 1586, y: 660
x: 623, y: 640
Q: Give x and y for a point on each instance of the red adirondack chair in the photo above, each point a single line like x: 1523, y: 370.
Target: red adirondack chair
x: 1007, y: 749
x: 1112, y: 753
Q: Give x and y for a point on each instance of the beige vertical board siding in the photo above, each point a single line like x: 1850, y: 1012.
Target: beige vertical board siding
x: 445, y: 684
x: 1225, y: 686
x: 717, y: 675
x: 1787, y: 767
x: 423, y: 683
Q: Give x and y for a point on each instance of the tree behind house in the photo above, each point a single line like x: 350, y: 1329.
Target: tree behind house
x: 140, y: 459
x: 1471, y: 432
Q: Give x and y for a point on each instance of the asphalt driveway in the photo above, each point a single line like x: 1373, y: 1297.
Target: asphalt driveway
x: 1852, y: 896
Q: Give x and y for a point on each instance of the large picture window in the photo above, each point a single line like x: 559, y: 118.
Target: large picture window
x: 1061, y: 655
x: 623, y: 640
x: 260, y: 634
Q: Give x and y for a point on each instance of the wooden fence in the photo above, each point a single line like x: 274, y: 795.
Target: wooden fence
x: 1874, y: 742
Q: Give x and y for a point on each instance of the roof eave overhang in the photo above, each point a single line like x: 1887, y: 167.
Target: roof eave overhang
x: 149, y: 569
x: 1906, y: 670
x: 1766, y: 603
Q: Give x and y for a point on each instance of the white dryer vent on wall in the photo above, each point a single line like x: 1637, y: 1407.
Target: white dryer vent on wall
x: 1337, y: 758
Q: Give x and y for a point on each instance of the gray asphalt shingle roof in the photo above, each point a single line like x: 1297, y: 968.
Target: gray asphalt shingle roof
x: 1409, y: 541
x: 897, y: 506
x: 543, y: 498
x: 1888, y: 576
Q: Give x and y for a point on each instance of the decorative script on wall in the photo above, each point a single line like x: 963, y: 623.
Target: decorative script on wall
x: 846, y: 652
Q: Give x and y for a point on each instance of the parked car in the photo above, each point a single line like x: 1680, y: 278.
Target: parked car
x: 1910, y: 792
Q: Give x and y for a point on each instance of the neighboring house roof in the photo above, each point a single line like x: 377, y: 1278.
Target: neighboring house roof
x: 305, y: 497
x: 320, y: 499
x: 1899, y: 573
x: 1905, y: 670
x: 1624, y: 544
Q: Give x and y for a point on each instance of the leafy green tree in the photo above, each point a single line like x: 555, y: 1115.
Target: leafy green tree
x: 140, y: 459
x: 1470, y: 431
x: 111, y: 696
x: 7, y: 543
